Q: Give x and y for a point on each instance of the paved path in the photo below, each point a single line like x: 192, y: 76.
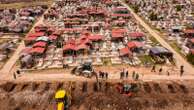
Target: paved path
x: 178, y: 58
x: 10, y: 63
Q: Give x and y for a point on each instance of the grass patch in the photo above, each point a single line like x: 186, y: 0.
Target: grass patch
x: 106, y: 61
x: 153, y: 40
x: 190, y: 59
x: 146, y: 59
x: 175, y: 47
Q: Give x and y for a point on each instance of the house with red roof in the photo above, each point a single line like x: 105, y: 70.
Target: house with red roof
x: 125, y: 52
x: 189, y: 32
x: 38, y: 51
x: 40, y: 44
x: 135, y: 46
x: 119, y: 22
x: 40, y: 28
x: 96, y: 37
x: 30, y: 38
x: 118, y: 34
x: 77, y: 47
x: 139, y: 36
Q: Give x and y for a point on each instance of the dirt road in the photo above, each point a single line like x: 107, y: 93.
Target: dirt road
x: 178, y: 58
x: 10, y: 63
x: 25, y: 77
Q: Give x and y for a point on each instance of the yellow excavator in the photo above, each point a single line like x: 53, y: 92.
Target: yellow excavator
x: 63, y: 99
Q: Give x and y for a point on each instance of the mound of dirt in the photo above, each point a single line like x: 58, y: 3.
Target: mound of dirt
x: 86, y: 96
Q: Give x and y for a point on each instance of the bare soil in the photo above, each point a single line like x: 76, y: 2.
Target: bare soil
x: 87, y: 96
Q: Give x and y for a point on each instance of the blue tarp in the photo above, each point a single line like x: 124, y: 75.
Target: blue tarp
x: 159, y: 50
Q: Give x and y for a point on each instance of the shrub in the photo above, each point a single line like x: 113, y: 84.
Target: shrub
x: 153, y: 16
x: 190, y: 58
x: 178, y: 7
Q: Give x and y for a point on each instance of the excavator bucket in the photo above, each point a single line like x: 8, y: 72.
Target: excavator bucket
x: 62, y: 99
x: 60, y: 94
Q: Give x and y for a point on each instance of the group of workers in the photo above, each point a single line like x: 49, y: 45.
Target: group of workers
x: 124, y: 74
x: 103, y: 75
x: 168, y: 73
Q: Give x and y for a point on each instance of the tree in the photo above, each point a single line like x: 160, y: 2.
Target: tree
x: 136, y: 8
x: 190, y: 58
x: 178, y: 7
x: 153, y: 16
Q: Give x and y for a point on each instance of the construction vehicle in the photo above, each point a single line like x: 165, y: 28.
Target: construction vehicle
x: 63, y: 100
x: 84, y: 69
x: 126, y: 89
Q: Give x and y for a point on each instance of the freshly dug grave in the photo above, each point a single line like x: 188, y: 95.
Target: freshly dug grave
x: 87, y: 96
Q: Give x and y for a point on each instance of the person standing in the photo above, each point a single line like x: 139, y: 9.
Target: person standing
x: 181, y: 70
x: 121, y: 75
x: 127, y: 74
x: 153, y: 69
x: 106, y: 75
x: 160, y: 71
x: 18, y: 72
x: 100, y: 74
x: 168, y: 73
x: 137, y: 77
x: 14, y: 75
x: 133, y: 75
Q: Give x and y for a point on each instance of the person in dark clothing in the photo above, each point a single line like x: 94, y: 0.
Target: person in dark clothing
x: 160, y: 71
x: 84, y: 88
x: 137, y: 77
x: 133, y: 75
x: 181, y: 70
x: 127, y: 74
x: 100, y: 74
x: 103, y: 75
x: 168, y: 73
x: 106, y: 75
x: 182, y: 66
x: 14, y: 75
x: 18, y: 72
x: 121, y: 75
x: 153, y: 69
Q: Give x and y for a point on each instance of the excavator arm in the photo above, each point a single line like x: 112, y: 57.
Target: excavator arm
x: 60, y: 106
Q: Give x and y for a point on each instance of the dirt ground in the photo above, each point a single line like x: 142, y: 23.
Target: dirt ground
x: 158, y: 95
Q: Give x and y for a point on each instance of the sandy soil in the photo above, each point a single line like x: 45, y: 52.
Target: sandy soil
x: 158, y: 95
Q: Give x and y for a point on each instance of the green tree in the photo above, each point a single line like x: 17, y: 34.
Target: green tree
x: 136, y: 8
x: 178, y: 7
x: 190, y: 58
x: 153, y: 16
